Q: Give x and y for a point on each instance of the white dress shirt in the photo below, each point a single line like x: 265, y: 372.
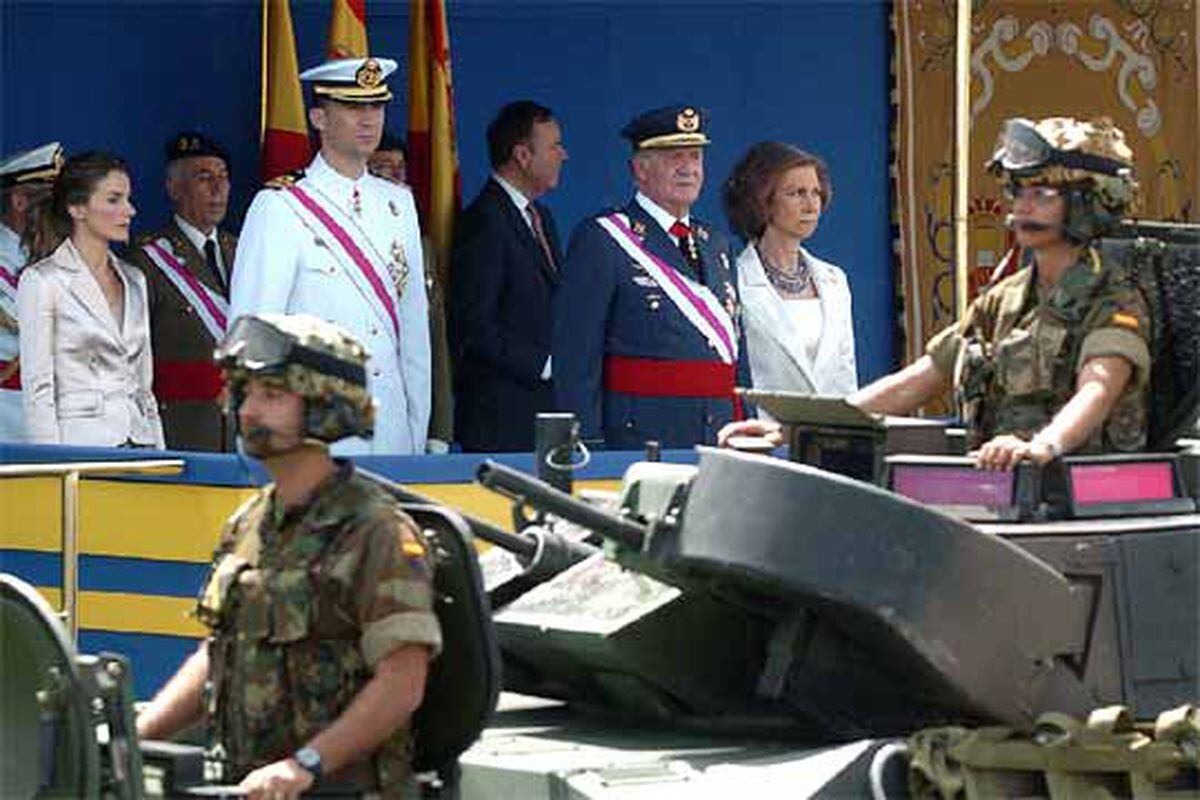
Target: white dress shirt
x: 198, y: 239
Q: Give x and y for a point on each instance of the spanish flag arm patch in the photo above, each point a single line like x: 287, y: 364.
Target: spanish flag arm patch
x: 1125, y: 319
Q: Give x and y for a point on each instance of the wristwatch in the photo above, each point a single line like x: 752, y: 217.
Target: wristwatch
x: 310, y: 759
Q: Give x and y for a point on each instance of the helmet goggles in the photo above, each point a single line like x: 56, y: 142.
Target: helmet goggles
x: 1022, y: 152
x: 259, y: 348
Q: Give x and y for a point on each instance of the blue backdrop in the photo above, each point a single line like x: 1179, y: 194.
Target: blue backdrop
x: 125, y: 74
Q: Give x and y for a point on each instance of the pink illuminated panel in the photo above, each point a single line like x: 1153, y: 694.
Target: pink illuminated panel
x: 1122, y: 483
x: 953, y: 486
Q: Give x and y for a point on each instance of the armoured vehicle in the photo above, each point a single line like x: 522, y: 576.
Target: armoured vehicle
x: 874, y: 585
x: 773, y: 626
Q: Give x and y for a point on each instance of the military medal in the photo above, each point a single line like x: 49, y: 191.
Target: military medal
x: 398, y: 267
x: 356, y: 202
x: 638, y: 227
x: 702, y: 233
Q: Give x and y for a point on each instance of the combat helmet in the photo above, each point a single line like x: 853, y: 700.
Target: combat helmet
x: 1089, y: 159
x: 316, y: 359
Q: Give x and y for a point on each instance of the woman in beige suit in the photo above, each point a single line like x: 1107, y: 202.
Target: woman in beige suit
x: 796, y: 308
x: 86, y: 369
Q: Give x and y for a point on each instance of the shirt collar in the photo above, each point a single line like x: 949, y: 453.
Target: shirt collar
x: 519, y: 200
x: 194, y: 235
x: 660, y: 215
x: 338, y: 183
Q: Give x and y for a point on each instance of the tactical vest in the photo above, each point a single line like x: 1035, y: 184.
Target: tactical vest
x: 284, y: 657
x: 1015, y: 378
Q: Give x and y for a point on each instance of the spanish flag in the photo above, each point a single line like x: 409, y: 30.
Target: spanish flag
x: 433, y: 175
x: 433, y: 154
x: 348, y: 29
x: 284, y: 129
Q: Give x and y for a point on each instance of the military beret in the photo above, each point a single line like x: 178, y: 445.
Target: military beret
x: 190, y: 144
x: 673, y: 126
x: 352, y: 80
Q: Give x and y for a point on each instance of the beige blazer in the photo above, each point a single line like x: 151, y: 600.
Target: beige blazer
x: 85, y: 380
x: 777, y: 360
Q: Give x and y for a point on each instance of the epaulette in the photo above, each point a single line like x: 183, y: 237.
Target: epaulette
x: 285, y: 180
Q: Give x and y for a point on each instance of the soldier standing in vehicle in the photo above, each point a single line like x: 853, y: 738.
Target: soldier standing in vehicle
x: 319, y: 601
x: 1055, y: 358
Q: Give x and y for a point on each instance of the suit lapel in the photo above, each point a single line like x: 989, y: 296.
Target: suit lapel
x: 521, y: 229
x: 655, y: 239
x: 767, y: 301
x: 192, y: 259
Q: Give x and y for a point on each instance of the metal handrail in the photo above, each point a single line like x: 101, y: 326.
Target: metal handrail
x: 70, y: 473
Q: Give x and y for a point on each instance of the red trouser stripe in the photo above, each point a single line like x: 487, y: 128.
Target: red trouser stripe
x: 187, y: 380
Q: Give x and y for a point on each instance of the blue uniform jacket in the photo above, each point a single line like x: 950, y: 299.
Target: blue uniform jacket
x: 607, y: 305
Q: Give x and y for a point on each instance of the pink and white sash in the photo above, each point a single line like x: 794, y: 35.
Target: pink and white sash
x: 350, y: 247
x: 209, y: 305
x: 694, y: 300
x: 8, y: 285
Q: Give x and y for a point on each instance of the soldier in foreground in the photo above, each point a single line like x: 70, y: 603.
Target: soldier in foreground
x: 319, y: 601
x: 1054, y: 359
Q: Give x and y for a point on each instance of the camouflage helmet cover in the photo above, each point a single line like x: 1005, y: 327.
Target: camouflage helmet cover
x: 1066, y: 151
x: 316, y: 359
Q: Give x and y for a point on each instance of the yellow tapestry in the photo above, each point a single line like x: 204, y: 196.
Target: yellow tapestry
x: 1134, y: 61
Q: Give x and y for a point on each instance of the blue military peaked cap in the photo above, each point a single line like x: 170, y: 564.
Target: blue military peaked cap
x: 672, y: 126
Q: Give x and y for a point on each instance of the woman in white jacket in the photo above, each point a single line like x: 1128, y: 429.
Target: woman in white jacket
x: 86, y: 367
x: 796, y: 308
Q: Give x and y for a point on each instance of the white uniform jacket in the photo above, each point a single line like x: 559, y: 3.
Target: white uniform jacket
x: 86, y: 379
x: 12, y: 259
x: 778, y: 361
x: 287, y: 263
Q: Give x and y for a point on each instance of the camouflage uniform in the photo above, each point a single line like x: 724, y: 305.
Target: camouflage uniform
x: 1016, y: 355
x: 301, y: 607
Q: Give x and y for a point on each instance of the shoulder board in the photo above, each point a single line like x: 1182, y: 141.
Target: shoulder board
x: 285, y: 180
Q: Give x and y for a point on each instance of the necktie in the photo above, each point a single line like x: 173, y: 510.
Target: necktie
x: 539, y: 233
x: 210, y: 260
x: 687, y: 246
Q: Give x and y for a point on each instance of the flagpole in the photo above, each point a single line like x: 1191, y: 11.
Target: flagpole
x: 262, y: 100
x: 962, y: 153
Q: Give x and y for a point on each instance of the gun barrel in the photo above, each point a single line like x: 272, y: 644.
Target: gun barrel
x: 522, y: 546
x: 500, y: 478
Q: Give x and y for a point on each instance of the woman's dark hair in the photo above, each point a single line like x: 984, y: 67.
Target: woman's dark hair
x: 748, y: 190
x: 50, y: 221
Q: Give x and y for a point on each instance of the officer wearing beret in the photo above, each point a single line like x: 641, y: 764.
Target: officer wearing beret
x: 645, y: 342
x: 187, y: 263
x: 25, y: 178
x: 342, y: 244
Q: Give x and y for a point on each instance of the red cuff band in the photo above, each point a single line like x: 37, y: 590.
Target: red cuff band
x: 11, y: 380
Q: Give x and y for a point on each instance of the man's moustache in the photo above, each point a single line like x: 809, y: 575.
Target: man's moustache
x: 1029, y: 226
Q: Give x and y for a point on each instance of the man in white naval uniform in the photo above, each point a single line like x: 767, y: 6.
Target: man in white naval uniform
x: 25, y: 178
x: 344, y: 245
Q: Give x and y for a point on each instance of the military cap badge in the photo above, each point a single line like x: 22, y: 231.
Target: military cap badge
x: 688, y: 121
x: 369, y: 75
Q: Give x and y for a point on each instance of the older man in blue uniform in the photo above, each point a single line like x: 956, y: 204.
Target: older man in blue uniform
x: 645, y: 341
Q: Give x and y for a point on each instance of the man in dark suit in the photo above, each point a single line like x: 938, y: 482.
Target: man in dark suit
x: 506, y: 259
x: 646, y: 345
x: 187, y: 264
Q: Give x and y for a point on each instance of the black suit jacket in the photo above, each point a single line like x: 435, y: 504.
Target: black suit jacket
x: 500, y: 322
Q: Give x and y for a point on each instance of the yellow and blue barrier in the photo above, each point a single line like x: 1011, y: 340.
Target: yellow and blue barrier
x: 146, y: 541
